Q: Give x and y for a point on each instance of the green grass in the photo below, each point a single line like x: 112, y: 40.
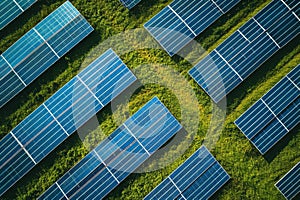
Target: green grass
x: 253, y: 176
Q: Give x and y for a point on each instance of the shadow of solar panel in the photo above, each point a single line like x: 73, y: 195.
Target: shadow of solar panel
x: 130, y: 3
x: 181, y: 21
x: 199, y: 177
x: 119, y: 155
x: 40, y: 48
x: 274, y: 115
x: 61, y: 115
x: 247, y: 48
x: 10, y: 10
x: 289, y: 185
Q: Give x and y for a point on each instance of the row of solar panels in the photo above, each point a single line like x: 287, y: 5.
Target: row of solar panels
x: 40, y: 48
x: 218, y: 73
x: 246, y: 49
x: 274, y: 115
x: 11, y: 9
x: 117, y: 156
x: 238, y: 56
x: 278, y: 112
x: 61, y: 123
x: 270, y: 119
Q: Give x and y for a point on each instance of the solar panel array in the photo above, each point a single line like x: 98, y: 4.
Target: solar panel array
x: 117, y: 156
x: 183, y: 20
x: 61, y: 115
x: 289, y: 185
x: 130, y: 3
x: 246, y: 49
x: 199, y: 177
x: 38, y: 49
x: 11, y: 9
x: 274, y: 115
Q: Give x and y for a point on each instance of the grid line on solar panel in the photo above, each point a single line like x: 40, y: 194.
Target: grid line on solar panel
x: 289, y: 184
x: 266, y: 32
x: 98, y: 156
x: 66, y: 110
x: 274, y: 115
x: 137, y: 139
x: 293, y: 83
x: 41, y: 47
x: 61, y: 190
x: 11, y: 9
x: 181, y: 21
x: 18, y: 5
x: 228, y: 64
x: 246, y: 49
x: 90, y: 91
x: 130, y: 3
x: 199, y: 177
x: 218, y: 7
x: 46, y: 42
x: 56, y: 119
x: 118, y: 155
x: 176, y: 187
x: 21, y: 145
x: 13, y: 71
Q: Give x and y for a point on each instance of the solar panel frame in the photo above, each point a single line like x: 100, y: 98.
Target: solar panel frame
x: 281, y: 184
x: 63, y: 113
x: 130, y: 3
x: 239, y: 47
x: 273, y: 113
x: 190, y: 20
x: 8, y: 17
x: 119, y: 154
x: 186, y: 178
x: 34, y: 53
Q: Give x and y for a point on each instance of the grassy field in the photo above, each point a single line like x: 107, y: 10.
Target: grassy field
x: 253, y: 176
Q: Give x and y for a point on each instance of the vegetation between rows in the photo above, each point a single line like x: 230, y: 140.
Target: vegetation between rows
x: 253, y: 176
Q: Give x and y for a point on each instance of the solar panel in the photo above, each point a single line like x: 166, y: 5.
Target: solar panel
x: 11, y: 9
x: 289, y: 185
x: 39, y: 48
x: 181, y: 21
x: 61, y: 115
x: 130, y: 3
x: 117, y: 156
x: 274, y: 115
x: 199, y: 177
x: 247, y: 48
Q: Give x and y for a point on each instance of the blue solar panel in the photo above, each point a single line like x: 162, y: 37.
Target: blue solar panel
x: 61, y: 115
x: 11, y: 9
x: 130, y: 3
x: 39, y: 48
x: 246, y: 49
x: 181, y: 21
x: 199, y: 177
x: 117, y: 156
x: 274, y: 115
x: 289, y: 185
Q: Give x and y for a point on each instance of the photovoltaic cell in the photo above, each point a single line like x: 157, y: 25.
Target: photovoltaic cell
x: 117, y: 156
x: 274, y: 115
x: 61, y: 115
x: 247, y: 48
x: 199, y: 177
x: 11, y: 9
x: 130, y: 3
x: 181, y: 21
x: 39, y: 48
x: 289, y: 185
